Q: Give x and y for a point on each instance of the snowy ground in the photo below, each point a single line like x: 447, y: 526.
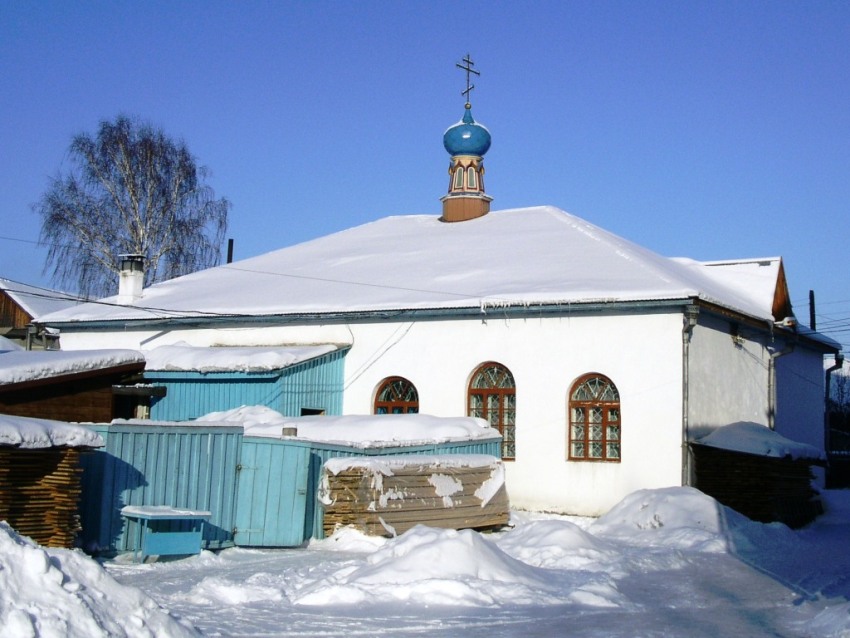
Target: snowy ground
x: 662, y: 563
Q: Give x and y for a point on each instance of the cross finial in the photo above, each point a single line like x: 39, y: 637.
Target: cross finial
x: 467, y: 66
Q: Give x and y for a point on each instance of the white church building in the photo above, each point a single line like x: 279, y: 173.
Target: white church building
x: 597, y: 359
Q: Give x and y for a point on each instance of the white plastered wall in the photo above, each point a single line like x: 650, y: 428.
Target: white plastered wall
x: 728, y: 379
x: 801, y: 393
x: 641, y: 354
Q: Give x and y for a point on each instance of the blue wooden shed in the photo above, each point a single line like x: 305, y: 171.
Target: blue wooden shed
x: 277, y: 504
x: 293, y: 380
x: 261, y: 490
x: 145, y: 463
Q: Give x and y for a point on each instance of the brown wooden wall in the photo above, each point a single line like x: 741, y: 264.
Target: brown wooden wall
x: 84, y: 398
x: 11, y: 314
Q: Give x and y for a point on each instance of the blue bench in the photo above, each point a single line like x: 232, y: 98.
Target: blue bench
x: 165, y: 531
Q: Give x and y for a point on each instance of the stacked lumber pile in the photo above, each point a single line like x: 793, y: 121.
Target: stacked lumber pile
x: 765, y: 489
x: 40, y: 492
x: 386, y: 496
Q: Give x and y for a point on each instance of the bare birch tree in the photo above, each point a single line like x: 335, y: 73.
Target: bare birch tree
x: 130, y: 190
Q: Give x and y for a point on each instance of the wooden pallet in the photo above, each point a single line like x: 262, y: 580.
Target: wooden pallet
x: 40, y: 493
x: 386, y: 505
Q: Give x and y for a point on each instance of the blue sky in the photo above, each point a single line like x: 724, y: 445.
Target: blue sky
x: 710, y: 130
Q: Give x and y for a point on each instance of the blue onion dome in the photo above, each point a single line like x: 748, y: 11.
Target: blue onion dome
x: 467, y: 137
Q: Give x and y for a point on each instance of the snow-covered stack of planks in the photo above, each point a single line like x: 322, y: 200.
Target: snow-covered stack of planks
x: 759, y: 473
x: 762, y: 488
x: 40, y: 477
x: 387, y: 495
x: 40, y: 493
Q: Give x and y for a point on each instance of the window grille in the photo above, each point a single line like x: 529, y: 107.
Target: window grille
x: 594, y: 412
x: 396, y: 395
x: 492, y: 397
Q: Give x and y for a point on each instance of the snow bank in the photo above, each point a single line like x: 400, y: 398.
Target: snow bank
x: 752, y: 438
x: 183, y: 357
x: 546, y: 577
x: 427, y: 566
x: 358, y: 431
x: 558, y: 544
x: 23, y: 365
x: 348, y: 539
x: 57, y: 593
x: 25, y: 432
x: 680, y: 517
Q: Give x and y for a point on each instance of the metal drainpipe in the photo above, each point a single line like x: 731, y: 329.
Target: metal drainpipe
x: 690, y: 321
x: 839, y: 363
x: 771, y: 383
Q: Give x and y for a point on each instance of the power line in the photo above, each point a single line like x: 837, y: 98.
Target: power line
x: 23, y: 241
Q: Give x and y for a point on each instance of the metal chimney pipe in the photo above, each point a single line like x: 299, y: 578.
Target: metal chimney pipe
x: 131, y: 278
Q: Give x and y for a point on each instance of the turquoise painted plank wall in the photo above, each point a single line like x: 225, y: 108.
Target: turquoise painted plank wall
x: 178, y: 466
x: 316, y: 384
x: 262, y: 492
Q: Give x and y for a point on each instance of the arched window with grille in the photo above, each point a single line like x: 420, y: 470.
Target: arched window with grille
x: 396, y: 395
x: 492, y: 397
x: 594, y: 414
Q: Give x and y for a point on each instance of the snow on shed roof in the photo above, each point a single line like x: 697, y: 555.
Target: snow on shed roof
x: 24, y: 432
x: 752, y: 438
x: 183, y: 357
x: 362, y: 431
x: 524, y: 256
x: 37, y: 301
x: 18, y: 366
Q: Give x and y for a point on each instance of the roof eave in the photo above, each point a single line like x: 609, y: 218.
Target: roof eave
x: 481, y: 311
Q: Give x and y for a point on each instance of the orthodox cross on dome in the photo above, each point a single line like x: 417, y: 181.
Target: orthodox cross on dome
x: 467, y: 66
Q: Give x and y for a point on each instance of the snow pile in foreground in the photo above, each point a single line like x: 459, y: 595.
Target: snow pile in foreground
x: 446, y: 567
x: 65, y: 594
x: 559, y: 544
x: 677, y: 517
x: 666, y: 562
x: 360, y: 431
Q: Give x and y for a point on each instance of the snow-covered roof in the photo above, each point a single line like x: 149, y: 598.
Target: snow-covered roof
x: 539, y: 255
x: 37, y: 301
x: 757, y: 278
x: 183, y: 357
x: 19, y: 366
x: 7, y: 345
x: 752, y: 438
x: 24, y: 432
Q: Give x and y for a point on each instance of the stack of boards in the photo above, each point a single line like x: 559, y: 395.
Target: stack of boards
x: 40, y: 492
x: 386, y: 496
x: 764, y: 488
